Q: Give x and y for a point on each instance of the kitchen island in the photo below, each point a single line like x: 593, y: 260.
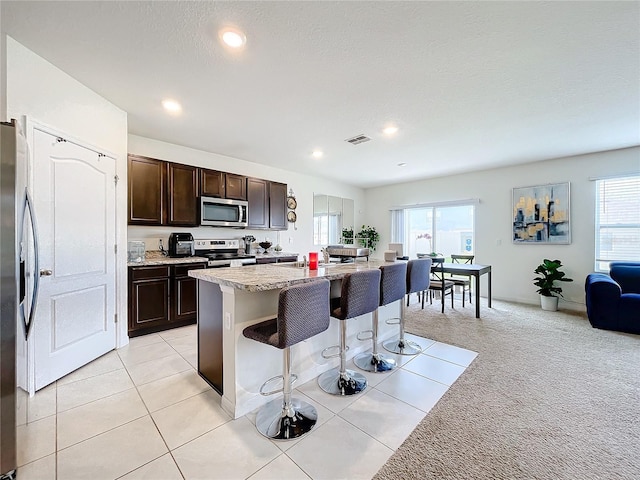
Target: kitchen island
x: 230, y: 299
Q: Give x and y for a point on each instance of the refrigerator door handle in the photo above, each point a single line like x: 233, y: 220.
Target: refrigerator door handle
x: 27, y: 323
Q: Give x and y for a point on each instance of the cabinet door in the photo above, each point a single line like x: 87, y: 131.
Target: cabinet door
x: 235, y: 186
x: 184, y: 298
x: 258, y: 197
x: 212, y: 183
x: 182, y: 184
x: 277, y: 206
x: 266, y: 260
x: 148, y: 298
x: 146, y: 198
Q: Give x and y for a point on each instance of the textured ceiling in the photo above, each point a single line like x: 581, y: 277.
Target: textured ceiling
x: 471, y: 85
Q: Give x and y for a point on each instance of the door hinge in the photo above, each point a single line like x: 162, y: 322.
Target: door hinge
x: 115, y: 179
x: 115, y: 248
x: 115, y: 318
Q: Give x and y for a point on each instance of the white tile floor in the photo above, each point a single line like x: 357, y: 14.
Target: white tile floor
x: 142, y: 412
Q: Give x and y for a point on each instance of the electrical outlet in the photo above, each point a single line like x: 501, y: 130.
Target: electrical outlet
x: 290, y: 239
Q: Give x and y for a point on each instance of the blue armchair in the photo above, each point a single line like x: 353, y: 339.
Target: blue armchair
x: 613, y: 301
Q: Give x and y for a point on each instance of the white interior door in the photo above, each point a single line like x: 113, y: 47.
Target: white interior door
x: 74, y: 197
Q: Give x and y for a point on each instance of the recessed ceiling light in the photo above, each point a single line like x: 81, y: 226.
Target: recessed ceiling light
x: 402, y: 164
x: 317, y: 154
x: 390, y: 130
x: 171, y: 106
x: 233, y: 38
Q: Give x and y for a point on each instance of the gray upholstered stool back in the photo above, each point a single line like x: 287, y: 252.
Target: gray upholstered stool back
x: 418, y: 272
x: 393, y: 282
x: 360, y: 294
x: 303, y: 311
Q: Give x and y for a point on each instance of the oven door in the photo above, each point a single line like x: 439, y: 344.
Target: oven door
x: 221, y: 212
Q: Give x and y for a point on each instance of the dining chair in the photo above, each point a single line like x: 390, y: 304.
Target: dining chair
x: 462, y: 280
x: 439, y: 283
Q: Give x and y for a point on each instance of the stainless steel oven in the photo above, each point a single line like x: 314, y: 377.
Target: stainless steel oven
x: 223, y: 253
x: 222, y: 212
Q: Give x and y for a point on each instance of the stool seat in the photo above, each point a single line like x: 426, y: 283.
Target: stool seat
x: 417, y: 280
x: 393, y: 284
x: 360, y: 294
x: 303, y: 311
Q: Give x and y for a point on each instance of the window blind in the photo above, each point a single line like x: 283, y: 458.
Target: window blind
x: 617, y: 220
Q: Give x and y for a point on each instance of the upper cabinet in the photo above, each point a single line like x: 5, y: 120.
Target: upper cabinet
x: 146, y: 198
x: 267, y: 204
x: 258, y: 197
x: 211, y: 183
x: 277, y: 206
x: 222, y: 185
x: 167, y: 193
x: 162, y: 193
x: 182, y: 190
x: 235, y: 186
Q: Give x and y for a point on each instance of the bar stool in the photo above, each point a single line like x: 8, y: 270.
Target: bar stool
x: 360, y: 294
x: 417, y: 281
x: 393, y: 286
x: 303, y: 311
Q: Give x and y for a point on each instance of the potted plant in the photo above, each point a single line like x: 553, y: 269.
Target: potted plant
x: 347, y: 235
x: 370, y: 235
x: 548, y: 274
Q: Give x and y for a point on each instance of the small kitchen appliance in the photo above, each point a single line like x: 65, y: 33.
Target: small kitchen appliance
x: 221, y: 253
x: 181, y: 245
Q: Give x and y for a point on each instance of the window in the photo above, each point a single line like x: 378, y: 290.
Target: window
x: 441, y: 228
x: 617, y: 220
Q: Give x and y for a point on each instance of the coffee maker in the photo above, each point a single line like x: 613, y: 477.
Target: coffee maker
x: 248, y: 240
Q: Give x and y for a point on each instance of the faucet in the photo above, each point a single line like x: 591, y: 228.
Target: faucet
x: 304, y: 261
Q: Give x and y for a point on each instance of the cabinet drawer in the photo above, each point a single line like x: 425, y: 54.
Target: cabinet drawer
x: 266, y: 260
x: 182, y: 270
x: 143, y: 273
x: 287, y: 259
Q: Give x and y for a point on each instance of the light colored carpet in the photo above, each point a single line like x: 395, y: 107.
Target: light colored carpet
x: 548, y: 397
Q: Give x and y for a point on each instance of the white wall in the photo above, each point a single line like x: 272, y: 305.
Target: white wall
x: 304, y: 186
x: 47, y: 95
x: 513, y: 265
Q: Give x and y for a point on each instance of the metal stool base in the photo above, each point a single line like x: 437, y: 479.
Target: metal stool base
x: 275, y: 422
x: 335, y: 384
x: 402, y: 347
x: 377, y: 363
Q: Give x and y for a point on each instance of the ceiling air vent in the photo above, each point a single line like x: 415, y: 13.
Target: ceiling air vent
x: 358, y: 139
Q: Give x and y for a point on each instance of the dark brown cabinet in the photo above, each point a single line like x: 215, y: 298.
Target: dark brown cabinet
x: 182, y: 189
x: 235, y: 186
x: 212, y: 183
x: 258, y: 197
x: 161, y: 297
x: 277, y: 206
x: 267, y: 204
x: 146, y: 192
x: 222, y: 185
x: 283, y: 259
x: 162, y: 193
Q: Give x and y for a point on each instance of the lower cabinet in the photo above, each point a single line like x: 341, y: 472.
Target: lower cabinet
x: 162, y: 297
x: 285, y: 259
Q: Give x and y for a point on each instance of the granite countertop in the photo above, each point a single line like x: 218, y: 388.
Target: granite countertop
x: 258, y: 278
x: 155, y: 257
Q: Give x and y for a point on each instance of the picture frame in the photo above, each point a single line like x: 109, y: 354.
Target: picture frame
x: 541, y: 214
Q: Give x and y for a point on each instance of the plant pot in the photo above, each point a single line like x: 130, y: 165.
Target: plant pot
x: 549, y: 303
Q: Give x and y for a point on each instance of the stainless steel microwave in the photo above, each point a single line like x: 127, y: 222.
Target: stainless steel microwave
x: 221, y: 212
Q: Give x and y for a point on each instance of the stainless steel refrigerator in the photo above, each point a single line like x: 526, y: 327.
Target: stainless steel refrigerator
x: 18, y: 284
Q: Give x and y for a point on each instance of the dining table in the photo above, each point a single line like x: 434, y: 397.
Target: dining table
x: 471, y: 269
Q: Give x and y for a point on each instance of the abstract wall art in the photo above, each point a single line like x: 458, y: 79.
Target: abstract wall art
x: 541, y: 214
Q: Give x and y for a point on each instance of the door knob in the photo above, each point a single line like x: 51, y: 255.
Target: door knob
x: 45, y: 273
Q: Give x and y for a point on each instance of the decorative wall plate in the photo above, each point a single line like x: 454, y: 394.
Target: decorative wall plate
x: 291, y: 216
x: 292, y: 203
